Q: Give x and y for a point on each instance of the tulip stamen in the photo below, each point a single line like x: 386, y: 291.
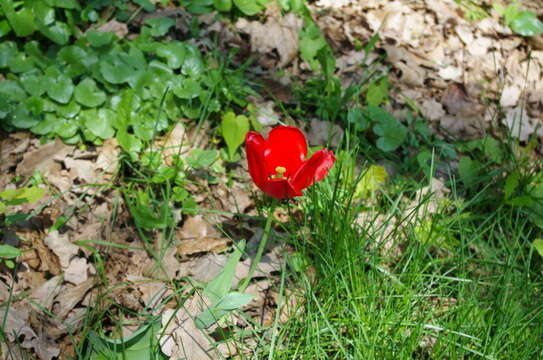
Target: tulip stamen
x: 280, y: 173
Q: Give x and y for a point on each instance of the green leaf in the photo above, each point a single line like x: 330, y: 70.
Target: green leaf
x: 4, y: 28
x: 527, y: 24
x: 44, y: 13
x: 370, y: 182
x: 21, y: 63
x: 69, y: 110
x: 9, y: 252
x: 67, y: 128
x: 34, y: 83
x: 8, y: 49
x: 173, y: 53
x: 145, y: 4
x: 12, y: 91
x: 160, y: 26
x: 67, y: 4
x: 88, y: 94
x: 468, y: 170
x: 234, y: 128
x: 115, y: 70
x: 538, y: 245
x: 22, y: 21
x: 25, y: 195
x: 311, y: 42
x: 186, y: 88
x: 202, y: 159
x: 141, y: 345
x: 378, y: 92
x: 59, y: 32
x: 98, y: 38
x: 22, y: 118
x: 221, y: 284
x: 356, y: 118
x: 99, y: 123
x: 511, y: 185
x: 60, y: 89
x: 228, y: 303
x: 248, y: 7
x: 45, y: 126
x: 390, y: 131
x: 223, y: 5
x: 193, y: 65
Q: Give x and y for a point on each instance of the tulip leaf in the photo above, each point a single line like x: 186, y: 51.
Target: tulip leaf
x: 221, y: 284
x: 88, y: 94
x: 234, y: 128
x: 228, y: 303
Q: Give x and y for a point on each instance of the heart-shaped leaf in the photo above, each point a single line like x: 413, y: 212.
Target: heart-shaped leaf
x: 88, y: 94
x: 234, y: 128
x: 60, y: 89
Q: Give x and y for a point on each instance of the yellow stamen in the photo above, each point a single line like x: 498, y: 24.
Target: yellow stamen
x: 280, y: 172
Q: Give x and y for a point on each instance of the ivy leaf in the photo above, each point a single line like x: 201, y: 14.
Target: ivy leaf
x: 45, y: 126
x: 88, y: 94
x: 115, y: 71
x: 193, y: 65
x: 60, y: 89
x: 234, y: 128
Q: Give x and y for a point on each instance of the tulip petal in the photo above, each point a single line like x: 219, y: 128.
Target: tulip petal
x: 314, y: 169
x: 280, y: 189
x: 255, y: 145
x: 286, y: 147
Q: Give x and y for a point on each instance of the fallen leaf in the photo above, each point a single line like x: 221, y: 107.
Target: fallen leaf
x: 118, y: 28
x: 77, y: 271
x: 70, y: 297
x: 278, y: 33
x: 42, y: 158
x: 181, y: 338
x: 197, y: 235
x: 324, y: 133
x: 62, y: 247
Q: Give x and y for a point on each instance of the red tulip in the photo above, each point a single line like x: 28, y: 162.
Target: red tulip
x: 278, y: 165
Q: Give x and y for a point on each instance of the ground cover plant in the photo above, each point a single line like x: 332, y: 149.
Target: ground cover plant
x: 271, y: 179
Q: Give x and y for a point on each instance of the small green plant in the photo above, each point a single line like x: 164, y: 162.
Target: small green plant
x: 9, y: 198
x: 233, y: 129
x: 245, y: 7
x: 218, y: 291
x: 522, y: 22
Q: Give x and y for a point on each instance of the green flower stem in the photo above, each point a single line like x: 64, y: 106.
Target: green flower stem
x: 259, y: 251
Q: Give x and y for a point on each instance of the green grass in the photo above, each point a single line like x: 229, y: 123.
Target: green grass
x: 469, y: 287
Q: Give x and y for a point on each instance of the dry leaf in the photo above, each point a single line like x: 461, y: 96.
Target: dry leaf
x: 278, y: 33
x: 182, y: 339
x: 77, y: 271
x: 118, y: 28
x: 70, y: 297
x: 197, y: 235
x: 42, y: 158
x: 324, y: 133
x: 62, y: 247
